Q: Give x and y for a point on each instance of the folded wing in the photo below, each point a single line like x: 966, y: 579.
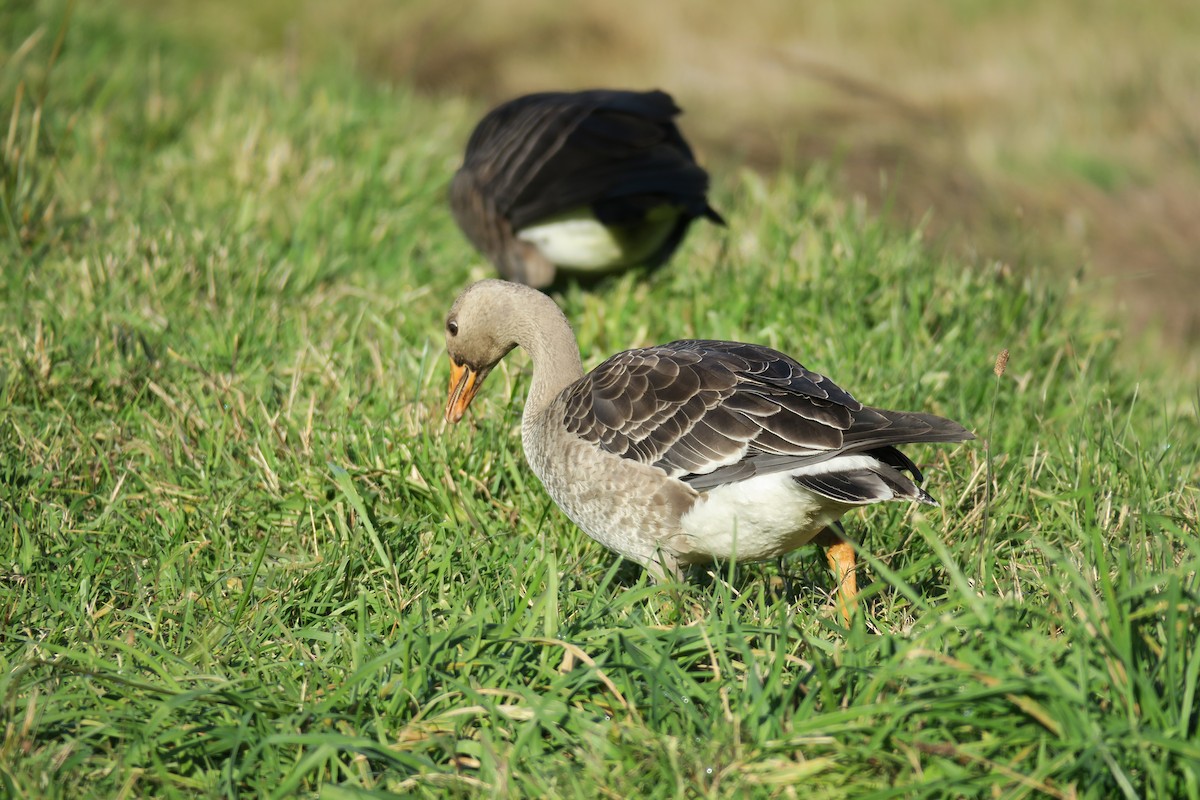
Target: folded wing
x: 712, y: 412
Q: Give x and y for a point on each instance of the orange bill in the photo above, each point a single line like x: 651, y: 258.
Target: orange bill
x: 464, y: 383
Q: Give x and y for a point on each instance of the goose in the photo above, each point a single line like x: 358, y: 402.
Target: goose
x: 692, y: 451
x: 590, y: 182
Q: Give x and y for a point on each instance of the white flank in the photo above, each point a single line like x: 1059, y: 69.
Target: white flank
x: 576, y: 240
x: 579, y: 243
x: 765, y: 516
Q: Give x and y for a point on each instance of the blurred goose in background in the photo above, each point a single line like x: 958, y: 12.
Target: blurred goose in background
x: 589, y: 182
x: 689, y: 451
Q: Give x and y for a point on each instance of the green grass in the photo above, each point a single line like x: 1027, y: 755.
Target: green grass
x: 1063, y: 133
x: 242, y: 556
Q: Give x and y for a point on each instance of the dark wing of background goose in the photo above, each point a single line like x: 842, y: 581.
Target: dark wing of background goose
x: 586, y: 181
x: 711, y: 413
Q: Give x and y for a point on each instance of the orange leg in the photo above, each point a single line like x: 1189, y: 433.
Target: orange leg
x: 840, y: 553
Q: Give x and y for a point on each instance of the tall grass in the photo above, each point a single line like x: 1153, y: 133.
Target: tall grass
x: 27, y: 154
x: 243, y: 557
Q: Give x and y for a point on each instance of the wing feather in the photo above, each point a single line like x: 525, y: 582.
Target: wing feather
x: 710, y: 412
x: 541, y: 154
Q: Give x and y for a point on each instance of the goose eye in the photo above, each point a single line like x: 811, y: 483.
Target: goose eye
x: 452, y: 327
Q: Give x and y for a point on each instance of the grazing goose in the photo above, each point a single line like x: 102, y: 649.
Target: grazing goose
x: 693, y: 450
x: 590, y: 181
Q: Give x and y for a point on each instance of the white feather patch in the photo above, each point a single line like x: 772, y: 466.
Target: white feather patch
x: 577, y: 240
x: 767, y: 515
x: 579, y: 243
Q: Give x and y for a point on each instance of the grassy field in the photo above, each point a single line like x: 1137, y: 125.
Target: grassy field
x: 242, y: 555
x: 1065, y: 134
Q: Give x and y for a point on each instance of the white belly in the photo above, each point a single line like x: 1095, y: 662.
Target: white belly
x: 763, y: 517
x: 582, y: 243
x: 577, y: 240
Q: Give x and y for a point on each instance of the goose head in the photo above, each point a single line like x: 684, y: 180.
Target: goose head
x: 479, y: 333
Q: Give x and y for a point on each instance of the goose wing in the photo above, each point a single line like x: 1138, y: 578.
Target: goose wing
x: 542, y: 154
x: 711, y: 412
